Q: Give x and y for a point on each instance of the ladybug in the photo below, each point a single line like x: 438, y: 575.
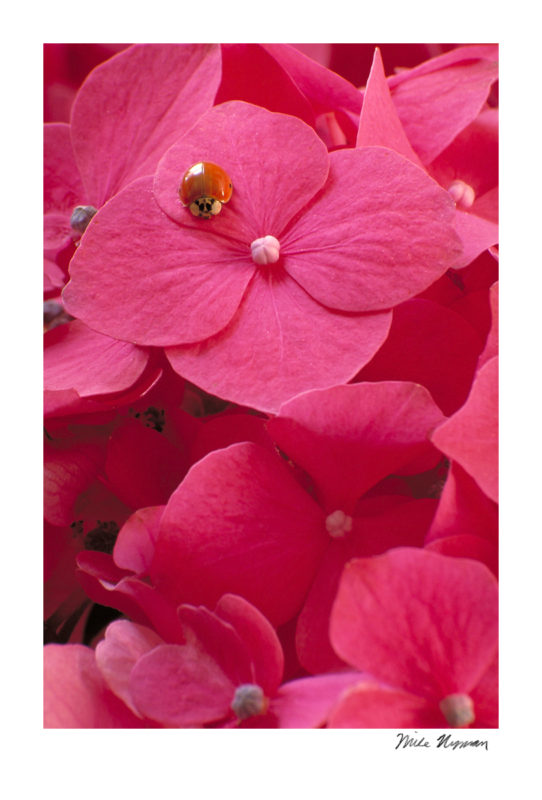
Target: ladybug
x: 204, y: 188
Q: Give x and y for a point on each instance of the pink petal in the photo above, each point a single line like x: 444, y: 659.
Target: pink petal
x: 486, y: 698
x: 324, y: 89
x: 380, y: 232
x: 378, y: 122
x: 350, y: 437
x: 134, y: 548
x: 467, y: 546
x: 307, y: 702
x: 108, y: 585
x: 243, y: 66
x: 477, y: 235
x: 369, y: 706
x: 470, y: 437
x: 68, y: 470
x: 492, y: 344
x: 219, y: 640
x: 162, y: 284
x: 53, y: 276
x: 473, y: 156
x: 57, y: 232
x: 260, y: 638
x: 235, y: 136
x: 117, y: 653
x: 142, y: 467
x: 405, y: 525
x: 438, y: 99
x: 179, y: 685
x: 77, y: 357
x: 464, y: 508
x: 431, y: 345
x: 418, y: 621
x: 237, y: 501
x: 67, y: 402
x: 76, y: 695
x: 132, y: 108
x: 279, y: 344
x: 63, y: 188
x: 229, y: 428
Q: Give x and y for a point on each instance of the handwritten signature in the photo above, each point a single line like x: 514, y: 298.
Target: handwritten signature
x: 444, y: 741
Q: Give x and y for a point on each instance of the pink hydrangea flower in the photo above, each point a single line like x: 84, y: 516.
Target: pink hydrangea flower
x: 126, y: 114
x: 245, y: 499
x: 424, y: 626
x: 225, y: 669
x: 351, y: 247
x: 458, y: 170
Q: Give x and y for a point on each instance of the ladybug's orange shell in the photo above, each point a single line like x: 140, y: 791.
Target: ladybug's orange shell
x: 205, y: 180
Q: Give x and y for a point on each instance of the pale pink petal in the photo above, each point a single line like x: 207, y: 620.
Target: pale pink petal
x: 116, y: 655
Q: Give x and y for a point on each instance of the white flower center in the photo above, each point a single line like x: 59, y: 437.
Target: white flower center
x: 338, y: 524
x: 463, y: 194
x: 265, y: 250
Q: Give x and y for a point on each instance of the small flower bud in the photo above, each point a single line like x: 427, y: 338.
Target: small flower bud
x: 458, y: 710
x: 249, y: 701
x: 338, y: 524
x: 463, y: 194
x: 81, y: 216
x: 265, y: 250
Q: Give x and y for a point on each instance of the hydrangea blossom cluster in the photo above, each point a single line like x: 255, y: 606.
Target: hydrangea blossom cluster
x: 271, y: 432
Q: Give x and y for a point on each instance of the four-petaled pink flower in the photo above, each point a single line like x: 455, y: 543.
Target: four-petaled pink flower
x: 358, y: 231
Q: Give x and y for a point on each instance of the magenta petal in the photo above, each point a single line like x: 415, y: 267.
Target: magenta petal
x: 393, y: 240
x: 132, y: 108
x: 220, y: 641
x: 438, y: 99
x: 378, y: 122
x: 279, y: 344
x: 243, y: 66
x: 67, y: 471
x: 432, y: 345
x: 106, y: 584
x: 57, y: 232
x: 63, y: 188
x: 142, y: 466
x: 369, y: 706
x: 477, y: 235
x: 467, y: 546
x: 53, y: 276
x: 417, y: 620
x: 350, y: 437
x: 116, y: 654
x: 492, y: 343
x: 180, y: 685
x: 486, y: 698
x: 464, y: 509
x: 261, y: 152
x: 77, y: 357
x: 324, y: 89
x: 134, y: 548
x: 236, y: 501
x: 307, y: 702
x: 403, y: 526
x: 157, y: 283
x: 76, y: 695
x: 260, y: 638
x: 470, y: 437
x: 473, y: 156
